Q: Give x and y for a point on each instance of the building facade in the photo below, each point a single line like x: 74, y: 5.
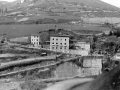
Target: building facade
x: 82, y: 46
x: 59, y: 43
x: 93, y: 62
x: 79, y: 52
x: 92, y: 65
x: 35, y: 40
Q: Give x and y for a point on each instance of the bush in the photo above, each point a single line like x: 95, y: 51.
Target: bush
x: 33, y: 85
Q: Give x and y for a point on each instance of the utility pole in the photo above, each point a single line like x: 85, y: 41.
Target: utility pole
x: 71, y: 27
x: 55, y: 45
x: 55, y: 29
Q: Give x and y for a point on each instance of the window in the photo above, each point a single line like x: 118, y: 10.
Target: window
x: 38, y: 43
x: 56, y: 39
x: 53, y: 43
x: 60, y: 47
x: 53, y: 38
x: 52, y: 47
x: 65, y: 43
x: 65, y: 39
x: 61, y: 43
x: 56, y: 43
x: 65, y: 47
x: 37, y: 39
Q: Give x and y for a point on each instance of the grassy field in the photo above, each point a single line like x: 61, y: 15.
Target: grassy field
x: 22, y: 30
x: 37, y: 17
x: 102, y: 20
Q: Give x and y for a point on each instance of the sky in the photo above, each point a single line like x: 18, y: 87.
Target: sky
x: 8, y: 0
x: 113, y: 2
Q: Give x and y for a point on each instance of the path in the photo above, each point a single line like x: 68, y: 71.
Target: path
x: 68, y: 84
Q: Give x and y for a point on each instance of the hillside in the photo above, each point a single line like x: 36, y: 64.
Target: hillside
x: 83, y: 8
x: 94, y: 4
x: 90, y: 3
x: 31, y: 11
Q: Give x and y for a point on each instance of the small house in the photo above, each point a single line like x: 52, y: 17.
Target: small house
x: 35, y: 40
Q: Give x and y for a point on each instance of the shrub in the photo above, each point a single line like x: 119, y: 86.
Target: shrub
x: 33, y: 85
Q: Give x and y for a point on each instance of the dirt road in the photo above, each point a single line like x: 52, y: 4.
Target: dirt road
x: 69, y: 84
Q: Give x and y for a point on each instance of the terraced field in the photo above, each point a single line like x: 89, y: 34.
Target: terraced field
x: 43, y: 66
x: 22, y: 30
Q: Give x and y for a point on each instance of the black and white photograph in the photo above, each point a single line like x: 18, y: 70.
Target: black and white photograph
x: 59, y: 44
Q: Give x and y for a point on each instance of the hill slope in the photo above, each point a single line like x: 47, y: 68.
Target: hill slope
x: 62, y: 9
x: 94, y: 3
x: 73, y: 7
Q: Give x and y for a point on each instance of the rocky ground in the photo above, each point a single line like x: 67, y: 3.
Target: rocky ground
x: 106, y: 81
x: 9, y: 85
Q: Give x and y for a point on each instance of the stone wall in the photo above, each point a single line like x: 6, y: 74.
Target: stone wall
x: 90, y: 72
x: 67, y: 69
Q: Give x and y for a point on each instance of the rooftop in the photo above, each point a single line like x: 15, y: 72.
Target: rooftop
x: 93, y: 57
x: 81, y: 42
x: 59, y: 35
x: 35, y: 35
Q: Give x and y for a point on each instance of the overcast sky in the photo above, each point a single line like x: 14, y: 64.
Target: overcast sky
x: 113, y: 2
x: 8, y: 0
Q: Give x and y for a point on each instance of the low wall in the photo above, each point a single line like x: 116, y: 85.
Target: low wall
x: 79, y: 52
x: 74, y: 52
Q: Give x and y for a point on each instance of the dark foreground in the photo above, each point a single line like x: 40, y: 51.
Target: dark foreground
x: 107, y: 81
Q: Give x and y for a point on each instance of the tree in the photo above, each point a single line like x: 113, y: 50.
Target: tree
x: 82, y: 4
x: 93, y: 46
x: 110, y: 34
x: 117, y: 33
x: 95, y: 38
x: 44, y: 37
x: 5, y: 11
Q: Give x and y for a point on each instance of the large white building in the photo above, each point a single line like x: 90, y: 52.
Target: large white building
x: 59, y: 43
x: 35, y: 40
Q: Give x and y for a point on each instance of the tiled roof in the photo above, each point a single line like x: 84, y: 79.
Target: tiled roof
x: 58, y: 35
x: 35, y: 35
